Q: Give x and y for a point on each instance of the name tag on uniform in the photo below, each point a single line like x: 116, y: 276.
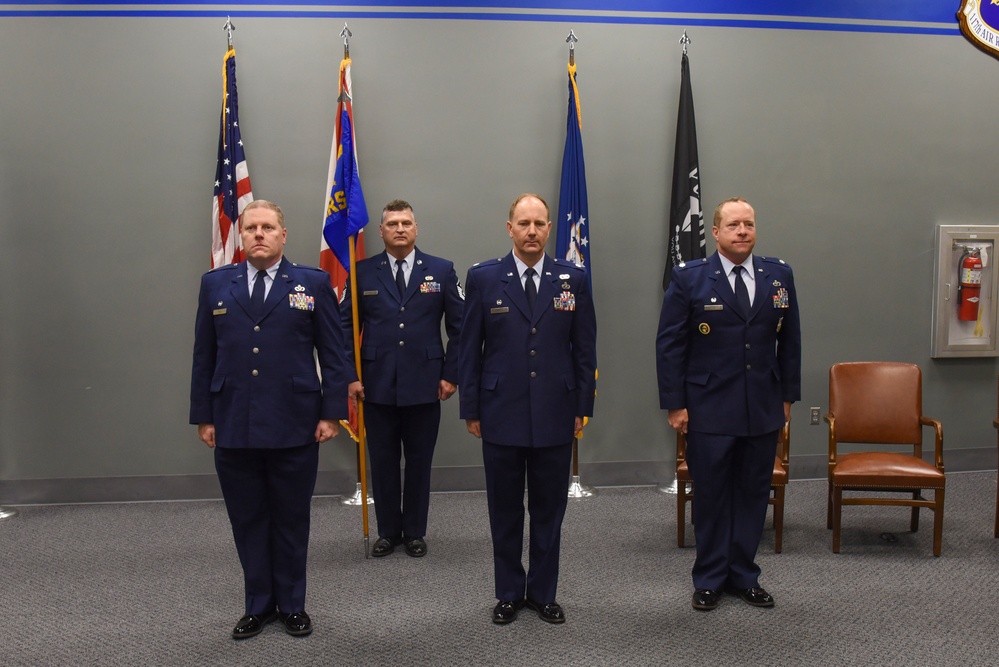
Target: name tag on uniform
x: 716, y: 306
x: 301, y: 301
x: 497, y: 311
x: 219, y: 311
x: 370, y: 292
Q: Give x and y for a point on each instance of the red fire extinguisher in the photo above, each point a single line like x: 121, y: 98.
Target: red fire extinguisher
x: 969, y: 285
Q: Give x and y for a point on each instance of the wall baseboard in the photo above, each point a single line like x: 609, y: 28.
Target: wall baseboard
x: 152, y: 488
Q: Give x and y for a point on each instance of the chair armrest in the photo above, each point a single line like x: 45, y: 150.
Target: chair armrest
x: 995, y: 423
x: 831, y: 420
x: 681, y: 448
x: 938, y: 440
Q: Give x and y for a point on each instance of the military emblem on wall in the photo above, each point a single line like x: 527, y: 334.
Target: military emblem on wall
x: 979, y: 21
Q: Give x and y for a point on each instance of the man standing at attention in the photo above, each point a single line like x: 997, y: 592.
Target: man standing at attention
x: 728, y: 355
x: 260, y: 404
x: 403, y: 294
x: 527, y: 364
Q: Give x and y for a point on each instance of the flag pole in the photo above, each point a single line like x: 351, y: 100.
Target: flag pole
x: 362, y: 472
x: 576, y: 489
x: 673, y: 488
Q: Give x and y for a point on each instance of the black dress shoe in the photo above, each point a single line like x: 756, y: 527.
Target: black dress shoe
x: 705, y: 599
x: 298, y: 625
x: 251, y: 625
x: 416, y: 547
x: 506, y: 611
x: 549, y: 613
x: 384, y: 546
x: 756, y: 596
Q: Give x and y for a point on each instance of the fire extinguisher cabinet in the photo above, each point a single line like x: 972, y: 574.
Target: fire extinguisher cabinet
x: 966, y: 291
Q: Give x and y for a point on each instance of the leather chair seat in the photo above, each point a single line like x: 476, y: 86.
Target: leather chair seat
x: 885, y: 469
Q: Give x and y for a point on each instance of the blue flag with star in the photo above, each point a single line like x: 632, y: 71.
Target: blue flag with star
x: 572, y: 240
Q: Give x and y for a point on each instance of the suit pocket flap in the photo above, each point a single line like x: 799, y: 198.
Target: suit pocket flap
x: 369, y: 353
x: 489, y: 381
x: 217, y: 382
x: 700, y: 379
x: 435, y: 352
x: 305, y: 382
x: 570, y: 381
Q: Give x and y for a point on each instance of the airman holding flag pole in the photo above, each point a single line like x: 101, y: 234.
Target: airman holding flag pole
x: 346, y: 216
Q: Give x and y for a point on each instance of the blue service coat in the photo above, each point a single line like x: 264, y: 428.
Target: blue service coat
x: 526, y: 375
x: 254, y: 377
x: 403, y: 358
x: 732, y: 374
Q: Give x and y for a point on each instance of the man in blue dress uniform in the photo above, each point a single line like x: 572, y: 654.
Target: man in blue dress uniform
x: 728, y: 356
x: 403, y: 294
x: 260, y: 404
x: 527, y: 364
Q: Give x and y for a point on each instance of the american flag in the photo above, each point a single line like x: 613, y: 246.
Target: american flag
x: 232, y: 179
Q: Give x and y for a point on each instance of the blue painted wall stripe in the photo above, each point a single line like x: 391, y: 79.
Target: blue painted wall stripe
x: 906, y: 16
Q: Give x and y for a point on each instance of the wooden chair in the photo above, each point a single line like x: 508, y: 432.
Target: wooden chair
x: 881, y: 403
x: 683, y: 496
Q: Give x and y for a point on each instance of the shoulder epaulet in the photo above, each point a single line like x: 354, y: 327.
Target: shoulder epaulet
x: 305, y: 267
x: 485, y: 263
x: 692, y: 264
x: 775, y: 260
x: 224, y: 267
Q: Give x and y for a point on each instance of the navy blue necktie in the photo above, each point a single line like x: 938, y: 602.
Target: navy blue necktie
x: 400, y: 277
x: 741, y: 292
x: 257, y: 295
x: 530, y: 289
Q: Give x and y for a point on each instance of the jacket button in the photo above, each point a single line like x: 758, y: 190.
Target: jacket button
x: 255, y: 372
x: 533, y: 374
x: 402, y: 343
x: 256, y: 328
x: 534, y: 331
x: 748, y: 346
x: 749, y: 367
x: 256, y: 350
x: 533, y: 352
x: 402, y: 325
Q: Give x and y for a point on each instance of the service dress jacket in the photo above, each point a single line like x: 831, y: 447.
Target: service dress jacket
x: 527, y: 375
x: 254, y: 376
x: 403, y: 358
x: 732, y: 373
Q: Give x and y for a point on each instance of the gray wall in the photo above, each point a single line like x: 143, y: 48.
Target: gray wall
x: 851, y: 146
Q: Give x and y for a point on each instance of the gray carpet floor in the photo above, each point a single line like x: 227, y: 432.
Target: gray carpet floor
x: 159, y: 584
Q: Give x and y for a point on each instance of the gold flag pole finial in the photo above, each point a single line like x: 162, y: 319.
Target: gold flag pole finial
x: 346, y: 34
x: 229, y: 27
x: 571, y: 39
x: 684, y: 41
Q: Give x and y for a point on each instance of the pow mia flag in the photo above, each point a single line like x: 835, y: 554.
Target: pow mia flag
x: 686, y: 220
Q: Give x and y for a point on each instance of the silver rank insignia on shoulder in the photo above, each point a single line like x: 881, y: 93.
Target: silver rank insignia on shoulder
x: 220, y: 303
x: 563, y: 276
x: 499, y: 302
x: 419, y: 262
x: 299, y: 288
x: 714, y: 299
x: 509, y: 274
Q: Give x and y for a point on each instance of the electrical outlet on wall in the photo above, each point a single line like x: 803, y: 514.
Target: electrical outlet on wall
x: 814, y: 418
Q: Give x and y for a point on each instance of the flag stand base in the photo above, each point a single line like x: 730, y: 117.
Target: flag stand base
x: 578, y: 491
x: 6, y: 513
x: 669, y: 489
x: 355, y: 498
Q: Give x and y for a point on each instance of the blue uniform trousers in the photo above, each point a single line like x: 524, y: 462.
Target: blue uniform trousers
x: 268, y: 495
x: 394, y: 431
x: 732, y: 478
x: 546, y: 470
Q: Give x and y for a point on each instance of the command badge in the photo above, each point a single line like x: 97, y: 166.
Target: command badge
x: 704, y: 328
